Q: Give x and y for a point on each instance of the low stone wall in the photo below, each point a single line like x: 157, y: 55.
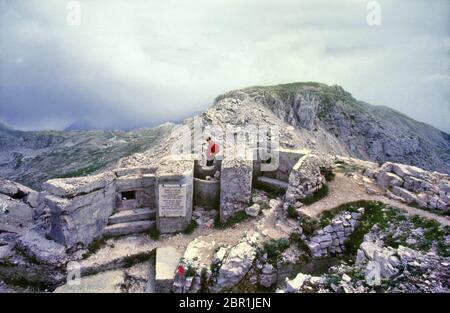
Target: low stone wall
x: 411, y: 184
x: 206, y: 193
x: 330, y: 239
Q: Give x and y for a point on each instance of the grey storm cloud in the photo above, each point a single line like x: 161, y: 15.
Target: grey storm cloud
x: 136, y: 63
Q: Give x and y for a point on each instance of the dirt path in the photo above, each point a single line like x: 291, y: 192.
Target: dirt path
x: 345, y: 189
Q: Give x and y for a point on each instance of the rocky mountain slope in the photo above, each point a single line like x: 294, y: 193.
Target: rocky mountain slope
x: 33, y: 157
x: 329, y: 119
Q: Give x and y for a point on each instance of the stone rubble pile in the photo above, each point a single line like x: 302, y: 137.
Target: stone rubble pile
x: 306, y: 178
x: 235, y: 264
x: 253, y: 210
x: 411, y: 184
x: 204, y: 218
x: 380, y: 267
x: 330, y: 239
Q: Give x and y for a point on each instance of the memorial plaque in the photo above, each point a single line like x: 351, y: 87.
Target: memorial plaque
x: 172, y: 200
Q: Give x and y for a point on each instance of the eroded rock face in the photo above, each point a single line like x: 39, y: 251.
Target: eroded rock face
x: 17, y: 203
x: 235, y: 265
x: 43, y: 250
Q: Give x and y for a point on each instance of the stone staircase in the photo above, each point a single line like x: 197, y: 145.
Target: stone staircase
x: 130, y: 221
x: 271, y: 184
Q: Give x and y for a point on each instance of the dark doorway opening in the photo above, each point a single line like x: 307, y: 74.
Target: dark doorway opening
x: 128, y: 195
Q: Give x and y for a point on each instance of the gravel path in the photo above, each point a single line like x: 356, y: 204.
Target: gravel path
x: 345, y: 189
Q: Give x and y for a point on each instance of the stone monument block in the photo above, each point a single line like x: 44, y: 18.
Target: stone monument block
x: 235, y: 186
x: 174, y: 194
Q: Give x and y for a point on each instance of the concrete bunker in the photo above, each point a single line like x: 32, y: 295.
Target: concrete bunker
x: 277, y: 180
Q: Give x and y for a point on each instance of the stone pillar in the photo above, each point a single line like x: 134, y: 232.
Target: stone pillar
x: 235, y: 183
x: 174, y: 193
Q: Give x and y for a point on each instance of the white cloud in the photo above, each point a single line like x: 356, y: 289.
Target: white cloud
x: 148, y: 61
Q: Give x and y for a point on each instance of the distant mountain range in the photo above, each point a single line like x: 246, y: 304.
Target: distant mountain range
x: 33, y: 157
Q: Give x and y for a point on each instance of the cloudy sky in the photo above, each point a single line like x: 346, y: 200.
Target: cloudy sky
x: 142, y: 62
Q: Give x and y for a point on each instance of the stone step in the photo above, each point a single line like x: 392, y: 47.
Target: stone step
x: 272, y: 183
x: 132, y: 215
x: 128, y: 228
x: 132, y: 206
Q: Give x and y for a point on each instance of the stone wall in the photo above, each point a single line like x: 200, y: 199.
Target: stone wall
x: 330, y: 239
x: 411, y: 184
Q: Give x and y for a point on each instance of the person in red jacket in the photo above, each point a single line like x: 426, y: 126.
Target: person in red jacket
x: 213, y: 149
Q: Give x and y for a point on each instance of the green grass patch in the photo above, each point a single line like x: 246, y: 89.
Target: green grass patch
x: 301, y: 244
x: 264, y: 206
x: 318, y: 195
x: 96, y: 245
x: 237, y: 218
x: 309, y: 225
x: 375, y: 213
x: 274, y: 248
x: 82, y: 171
x: 154, y: 233
x: 433, y: 233
x: 138, y: 258
x: 326, y: 217
x: 272, y: 192
x: 191, y: 227
x: 332, y: 279
x: 292, y: 212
